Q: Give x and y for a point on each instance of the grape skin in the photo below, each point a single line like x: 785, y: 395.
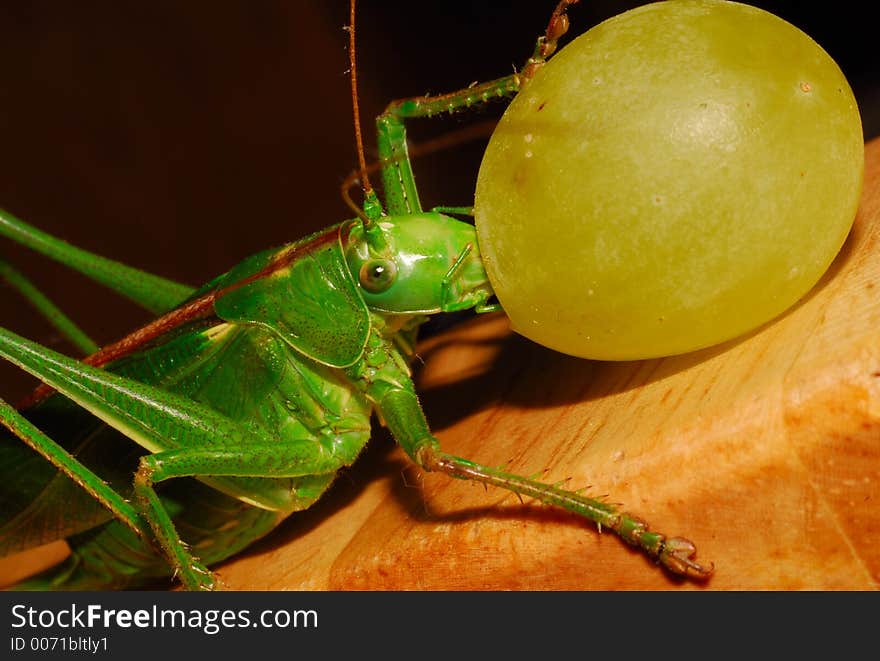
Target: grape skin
x: 675, y: 177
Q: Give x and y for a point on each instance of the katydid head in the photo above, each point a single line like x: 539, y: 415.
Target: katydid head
x: 415, y: 263
x: 424, y: 263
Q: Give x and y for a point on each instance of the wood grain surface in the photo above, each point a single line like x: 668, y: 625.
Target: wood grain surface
x: 764, y: 451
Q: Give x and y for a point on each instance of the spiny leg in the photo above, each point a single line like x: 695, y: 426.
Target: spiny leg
x: 401, y: 194
x: 192, y: 573
x: 297, y: 458
x: 674, y: 553
x: 403, y: 415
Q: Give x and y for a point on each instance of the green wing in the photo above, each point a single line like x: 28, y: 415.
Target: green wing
x: 304, y: 293
x: 38, y: 504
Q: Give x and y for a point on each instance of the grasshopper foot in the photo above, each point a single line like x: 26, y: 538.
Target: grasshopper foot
x: 678, y: 557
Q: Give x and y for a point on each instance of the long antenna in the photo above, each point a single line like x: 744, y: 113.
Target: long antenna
x: 358, y: 137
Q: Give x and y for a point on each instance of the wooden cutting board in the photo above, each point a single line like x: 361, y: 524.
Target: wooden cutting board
x: 764, y: 451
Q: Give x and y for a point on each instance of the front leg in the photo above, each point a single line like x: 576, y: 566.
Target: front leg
x: 402, y: 413
x: 401, y: 195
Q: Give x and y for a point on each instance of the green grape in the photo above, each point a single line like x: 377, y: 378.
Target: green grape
x: 673, y: 178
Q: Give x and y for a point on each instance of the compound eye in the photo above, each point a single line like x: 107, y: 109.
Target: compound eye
x: 377, y: 275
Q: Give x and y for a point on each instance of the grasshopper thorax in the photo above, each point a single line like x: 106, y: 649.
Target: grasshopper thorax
x: 419, y: 263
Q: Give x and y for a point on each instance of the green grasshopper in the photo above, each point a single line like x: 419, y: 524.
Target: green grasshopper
x: 260, y: 385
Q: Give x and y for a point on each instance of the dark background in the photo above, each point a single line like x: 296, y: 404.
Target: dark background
x: 182, y: 137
